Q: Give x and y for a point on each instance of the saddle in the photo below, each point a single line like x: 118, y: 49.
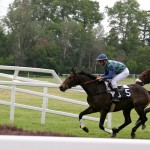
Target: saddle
x: 124, y: 90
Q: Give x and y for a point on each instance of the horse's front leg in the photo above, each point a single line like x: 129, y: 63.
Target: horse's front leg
x: 89, y: 110
x: 147, y: 110
x: 102, y: 120
x: 143, y: 118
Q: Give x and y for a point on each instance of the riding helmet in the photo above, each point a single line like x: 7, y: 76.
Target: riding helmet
x: 102, y: 57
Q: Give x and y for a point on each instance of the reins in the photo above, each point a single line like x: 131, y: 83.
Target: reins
x: 88, y: 82
x: 92, y: 81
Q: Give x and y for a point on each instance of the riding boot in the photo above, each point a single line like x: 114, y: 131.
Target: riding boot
x: 115, y: 99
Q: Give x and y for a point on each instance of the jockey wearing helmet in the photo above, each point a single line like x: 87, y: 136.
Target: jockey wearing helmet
x: 114, y: 71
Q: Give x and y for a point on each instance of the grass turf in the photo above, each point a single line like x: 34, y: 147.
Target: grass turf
x: 30, y: 119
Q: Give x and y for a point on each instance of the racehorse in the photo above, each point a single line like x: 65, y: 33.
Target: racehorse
x: 144, y: 78
x: 99, y: 100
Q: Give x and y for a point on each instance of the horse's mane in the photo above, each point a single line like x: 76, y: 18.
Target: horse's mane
x: 146, y: 72
x: 87, y: 74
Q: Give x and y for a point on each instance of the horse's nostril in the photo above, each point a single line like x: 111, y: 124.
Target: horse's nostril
x: 61, y: 88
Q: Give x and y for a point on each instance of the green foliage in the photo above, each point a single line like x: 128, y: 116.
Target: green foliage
x: 87, y: 12
x: 125, y: 20
x: 53, y: 34
x: 132, y: 65
x: 141, y: 57
x: 124, y: 39
x: 4, y: 45
x: 60, y: 34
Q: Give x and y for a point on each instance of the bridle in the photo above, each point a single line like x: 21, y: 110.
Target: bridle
x: 82, y: 82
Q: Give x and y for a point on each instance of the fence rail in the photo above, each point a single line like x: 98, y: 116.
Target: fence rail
x: 20, y: 81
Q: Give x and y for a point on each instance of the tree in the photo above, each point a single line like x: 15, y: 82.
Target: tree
x: 5, y: 54
x: 54, y: 33
x: 23, y: 28
x: 125, y: 19
x: 146, y: 29
x: 141, y: 57
x: 87, y: 13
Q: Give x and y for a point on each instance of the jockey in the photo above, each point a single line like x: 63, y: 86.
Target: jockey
x: 114, y: 71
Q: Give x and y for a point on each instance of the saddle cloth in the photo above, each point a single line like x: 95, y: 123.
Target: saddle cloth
x: 124, y: 91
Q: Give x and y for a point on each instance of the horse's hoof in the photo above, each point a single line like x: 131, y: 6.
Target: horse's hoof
x: 113, y: 135
x: 115, y: 131
x: 133, y: 135
x: 86, y: 129
x: 143, y: 126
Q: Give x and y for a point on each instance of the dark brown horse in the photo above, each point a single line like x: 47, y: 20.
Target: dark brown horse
x: 99, y: 100
x: 144, y: 78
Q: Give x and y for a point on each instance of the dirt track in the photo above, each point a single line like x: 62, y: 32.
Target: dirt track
x: 12, y: 130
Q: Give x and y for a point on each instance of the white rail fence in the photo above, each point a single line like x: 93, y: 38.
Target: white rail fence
x: 54, y: 143
x: 21, y: 81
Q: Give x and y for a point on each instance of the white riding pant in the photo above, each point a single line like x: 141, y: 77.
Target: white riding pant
x: 119, y: 77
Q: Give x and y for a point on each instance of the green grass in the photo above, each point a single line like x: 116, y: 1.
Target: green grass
x: 30, y: 119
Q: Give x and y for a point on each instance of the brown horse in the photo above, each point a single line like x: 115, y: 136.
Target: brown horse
x: 144, y: 78
x: 99, y: 100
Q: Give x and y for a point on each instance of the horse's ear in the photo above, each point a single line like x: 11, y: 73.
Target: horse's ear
x: 73, y: 71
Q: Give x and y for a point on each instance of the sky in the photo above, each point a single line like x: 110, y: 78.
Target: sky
x: 144, y: 5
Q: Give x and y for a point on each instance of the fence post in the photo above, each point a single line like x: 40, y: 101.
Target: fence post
x: 109, y: 120
x: 15, y: 74
x: 12, y: 107
x: 14, y: 89
x: 44, y: 105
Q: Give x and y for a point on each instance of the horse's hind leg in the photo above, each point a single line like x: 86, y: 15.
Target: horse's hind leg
x: 142, y: 121
x: 127, y: 117
x: 89, y: 110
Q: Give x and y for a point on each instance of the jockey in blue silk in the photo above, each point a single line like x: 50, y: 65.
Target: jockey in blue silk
x: 114, y: 72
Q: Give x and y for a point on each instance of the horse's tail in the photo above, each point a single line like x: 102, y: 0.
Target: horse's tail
x: 149, y: 92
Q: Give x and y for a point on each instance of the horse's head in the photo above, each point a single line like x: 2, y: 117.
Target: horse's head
x: 69, y: 82
x: 144, y: 78
x: 75, y: 79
